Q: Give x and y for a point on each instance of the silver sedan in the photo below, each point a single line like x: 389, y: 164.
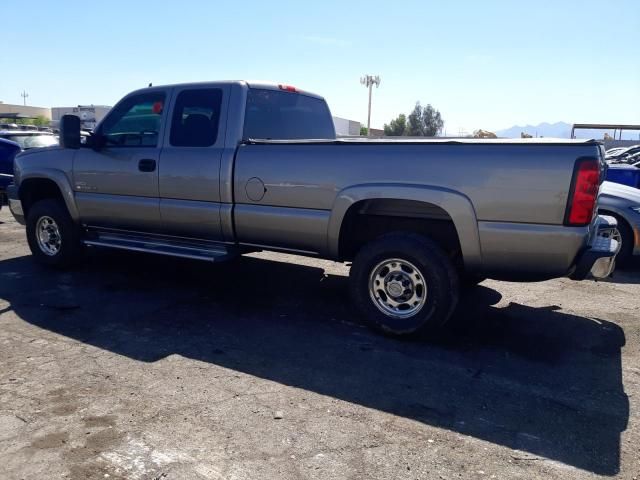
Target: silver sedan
x: 623, y: 203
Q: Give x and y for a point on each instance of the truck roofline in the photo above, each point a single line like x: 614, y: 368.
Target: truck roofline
x: 267, y: 85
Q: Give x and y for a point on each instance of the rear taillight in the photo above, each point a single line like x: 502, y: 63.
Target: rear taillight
x: 586, y: 182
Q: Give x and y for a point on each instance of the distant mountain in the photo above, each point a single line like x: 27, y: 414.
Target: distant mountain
x: 557, y: 130
x: 560, y: 130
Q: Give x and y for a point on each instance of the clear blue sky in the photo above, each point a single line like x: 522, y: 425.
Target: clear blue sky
x: 483, y: 64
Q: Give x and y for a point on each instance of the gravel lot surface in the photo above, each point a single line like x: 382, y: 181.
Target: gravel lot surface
x: 144, y: 367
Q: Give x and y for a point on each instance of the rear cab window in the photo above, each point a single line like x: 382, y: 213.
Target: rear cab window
x: 196, y: 117
x: 281, y: 115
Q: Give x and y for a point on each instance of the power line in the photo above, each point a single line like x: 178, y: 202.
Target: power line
x: 24, y: 96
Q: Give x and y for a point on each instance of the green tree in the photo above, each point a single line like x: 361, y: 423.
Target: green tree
x: 364, y: 131
x: 41, y: 121
x: 397, y: 127
x: 424, y: 122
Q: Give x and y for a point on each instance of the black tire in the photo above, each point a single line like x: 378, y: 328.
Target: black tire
x: 468, y: 280
x: 434, y: 269
x: 624, y: 257
x: 70, y: 250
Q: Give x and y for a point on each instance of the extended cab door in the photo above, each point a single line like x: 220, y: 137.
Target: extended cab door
x: 117, y: 185
x: 189, y: 175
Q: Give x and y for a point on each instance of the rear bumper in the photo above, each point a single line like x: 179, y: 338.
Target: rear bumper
x: 15, y: 205
x: 598, y: 259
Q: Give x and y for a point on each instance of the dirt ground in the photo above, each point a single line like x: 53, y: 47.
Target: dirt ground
x: 144, y: 367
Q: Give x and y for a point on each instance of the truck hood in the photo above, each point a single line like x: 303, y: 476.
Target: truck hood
x: 621, y: 191
x: 32, y: 151
x: 39, y: 161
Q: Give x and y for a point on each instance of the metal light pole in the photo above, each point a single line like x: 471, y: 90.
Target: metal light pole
x: 369, y: 81
x: 24, y: 96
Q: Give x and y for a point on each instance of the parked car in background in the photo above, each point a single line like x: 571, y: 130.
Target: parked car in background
x: 633, y: 159
x: 8, y: 151
x: 624, y: 155
x: 614, y: 151
x: 623, y: 203
x: 624, y: 174
x: 30, y: 139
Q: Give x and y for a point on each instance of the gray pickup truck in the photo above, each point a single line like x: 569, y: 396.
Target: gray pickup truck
x: 213, y: 170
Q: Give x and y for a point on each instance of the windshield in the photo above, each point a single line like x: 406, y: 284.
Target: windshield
x: 32, y: 141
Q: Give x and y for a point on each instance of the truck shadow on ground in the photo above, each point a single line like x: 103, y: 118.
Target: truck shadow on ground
x: 533, y: 379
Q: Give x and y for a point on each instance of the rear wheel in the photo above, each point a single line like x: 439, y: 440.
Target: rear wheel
x: 53, y: 237
x: 403, y: 283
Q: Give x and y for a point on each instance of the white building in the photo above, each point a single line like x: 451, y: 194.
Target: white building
x: 89, y: 115
x: 22, y: 111
x: 345, y: 127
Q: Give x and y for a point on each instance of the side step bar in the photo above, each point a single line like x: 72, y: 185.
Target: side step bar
x: 174, y: 247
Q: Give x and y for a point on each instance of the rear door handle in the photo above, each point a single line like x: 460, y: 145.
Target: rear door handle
x: 147, y: 165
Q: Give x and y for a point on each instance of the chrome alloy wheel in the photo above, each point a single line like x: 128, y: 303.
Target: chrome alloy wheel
x: 612, y: 233
x: 48, y: 236
x: 397, y: 288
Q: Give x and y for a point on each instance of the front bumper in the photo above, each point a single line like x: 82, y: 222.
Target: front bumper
x: 15, y: 205
x: 598, y: 259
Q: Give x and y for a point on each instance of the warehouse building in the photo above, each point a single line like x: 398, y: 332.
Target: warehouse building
x: 345, y: 127
x: 90, y: 115
x: 8, y: 110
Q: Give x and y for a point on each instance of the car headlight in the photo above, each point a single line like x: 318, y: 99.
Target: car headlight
x: 635, y: 209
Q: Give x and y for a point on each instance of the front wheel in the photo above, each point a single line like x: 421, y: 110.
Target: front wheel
x: 53, y: 237
x: 403, y: 283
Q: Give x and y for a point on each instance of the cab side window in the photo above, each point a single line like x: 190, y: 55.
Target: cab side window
x: 196, y: 117
x: 135, y: 122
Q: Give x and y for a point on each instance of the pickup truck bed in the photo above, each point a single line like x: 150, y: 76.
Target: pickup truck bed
x: 316, y: 182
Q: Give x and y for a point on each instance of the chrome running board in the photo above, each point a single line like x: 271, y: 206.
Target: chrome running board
x: 161, y: 245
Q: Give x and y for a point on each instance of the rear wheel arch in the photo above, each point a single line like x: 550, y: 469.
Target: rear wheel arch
x: 449, y: 212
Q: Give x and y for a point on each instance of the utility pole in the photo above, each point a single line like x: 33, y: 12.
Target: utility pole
x: 369, y: 81
x: 24, y: 96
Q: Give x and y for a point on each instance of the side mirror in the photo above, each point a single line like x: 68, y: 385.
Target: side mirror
x: 70, y: 131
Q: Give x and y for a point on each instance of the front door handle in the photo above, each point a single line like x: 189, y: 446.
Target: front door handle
x: 147, y: 165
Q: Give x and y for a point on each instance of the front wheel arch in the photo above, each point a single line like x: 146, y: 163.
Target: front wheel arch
x: 39, y: 184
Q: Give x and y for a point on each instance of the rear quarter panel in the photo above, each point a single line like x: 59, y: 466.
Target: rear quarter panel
x: 504, y: 183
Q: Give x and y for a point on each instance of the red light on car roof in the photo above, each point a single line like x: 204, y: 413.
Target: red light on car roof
x: 288, y: 88
x: 157, y: 107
